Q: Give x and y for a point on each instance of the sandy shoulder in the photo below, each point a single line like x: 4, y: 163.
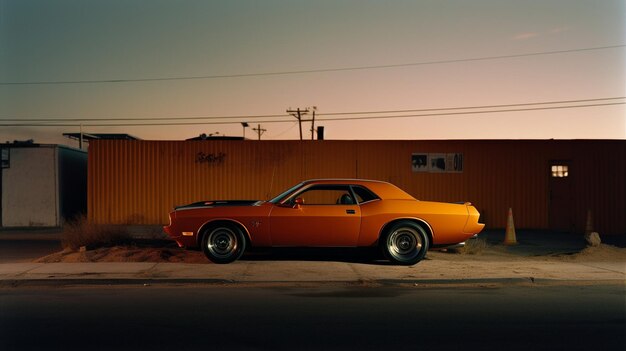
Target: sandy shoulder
x: 602, y: 253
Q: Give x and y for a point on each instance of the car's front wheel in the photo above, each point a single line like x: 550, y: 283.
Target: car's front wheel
x: 405, y: 243
x: 223, y: 244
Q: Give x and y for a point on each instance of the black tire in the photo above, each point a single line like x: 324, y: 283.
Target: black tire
x: 404, y: 243
x: 224, y: 243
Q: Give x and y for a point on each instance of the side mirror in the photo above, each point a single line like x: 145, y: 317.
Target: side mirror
x: 298, y: 202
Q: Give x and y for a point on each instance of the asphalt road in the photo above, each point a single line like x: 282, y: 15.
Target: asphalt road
x: 313, y: 318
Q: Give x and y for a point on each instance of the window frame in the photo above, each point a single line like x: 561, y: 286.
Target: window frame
x: 289, y: 199
x: 375, y: 196
x: 563, y: 172
x: 282, y: 197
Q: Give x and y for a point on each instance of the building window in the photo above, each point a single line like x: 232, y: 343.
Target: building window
x: 560, y: 171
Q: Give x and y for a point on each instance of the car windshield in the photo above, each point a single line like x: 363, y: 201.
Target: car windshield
x: 280, y: 197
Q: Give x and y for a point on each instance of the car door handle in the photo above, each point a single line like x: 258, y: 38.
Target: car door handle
x: 350, y: 211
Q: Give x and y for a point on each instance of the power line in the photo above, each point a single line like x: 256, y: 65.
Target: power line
x: 319, y: 70
x: 470, y: 112
x: 472, y: 107
x: 321, y: 119
x: 240, y: 117
x: 76, y: 119
x: 284, y: 131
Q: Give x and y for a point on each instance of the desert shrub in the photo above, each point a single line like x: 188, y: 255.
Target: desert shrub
x: 81, y: 232
x: 473, y: 247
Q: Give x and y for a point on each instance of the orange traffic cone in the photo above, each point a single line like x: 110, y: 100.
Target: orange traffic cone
x: 509, y: 236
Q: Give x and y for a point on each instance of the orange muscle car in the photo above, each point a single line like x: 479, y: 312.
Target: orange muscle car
x: 325, y: 213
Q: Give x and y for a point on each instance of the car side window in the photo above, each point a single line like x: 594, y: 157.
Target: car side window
x: 327, y: 195
x: 363, y: 195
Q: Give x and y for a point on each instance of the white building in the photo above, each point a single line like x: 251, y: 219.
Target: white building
x: 41, y: 185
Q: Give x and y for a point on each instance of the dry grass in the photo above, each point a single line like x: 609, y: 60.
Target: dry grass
x: 474, y: 247
x: 81, y: 232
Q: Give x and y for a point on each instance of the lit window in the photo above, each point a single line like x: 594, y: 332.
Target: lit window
x: 560, y: 171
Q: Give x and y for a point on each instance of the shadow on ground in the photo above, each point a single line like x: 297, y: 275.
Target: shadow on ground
x: 530, y: 244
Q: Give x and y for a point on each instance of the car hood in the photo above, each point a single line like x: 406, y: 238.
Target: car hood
x: 218, y: 203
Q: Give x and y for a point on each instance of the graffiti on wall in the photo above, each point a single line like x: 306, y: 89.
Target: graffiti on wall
x: 212, y: 158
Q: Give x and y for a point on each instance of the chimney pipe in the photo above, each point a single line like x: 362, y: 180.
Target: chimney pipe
x: 320, y: 132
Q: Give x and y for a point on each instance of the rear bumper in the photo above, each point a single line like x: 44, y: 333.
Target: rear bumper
x: 472, y: 226
x: 453, y: 246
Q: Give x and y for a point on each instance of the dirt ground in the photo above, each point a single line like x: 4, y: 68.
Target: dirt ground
x: 602, y: 253
x: 126, y: 254
x: 132, y: 253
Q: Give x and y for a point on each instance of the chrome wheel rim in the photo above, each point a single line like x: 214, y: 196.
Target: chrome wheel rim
x: 405, y: 244
x: 222, y: 243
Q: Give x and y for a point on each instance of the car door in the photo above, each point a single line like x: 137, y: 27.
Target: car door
x: 324, y: 216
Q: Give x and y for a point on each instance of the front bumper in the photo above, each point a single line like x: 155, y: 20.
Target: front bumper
x: 183, y: 238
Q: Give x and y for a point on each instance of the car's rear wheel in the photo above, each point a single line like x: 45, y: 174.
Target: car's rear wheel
x: 223, y: 244
x: 405, y: 243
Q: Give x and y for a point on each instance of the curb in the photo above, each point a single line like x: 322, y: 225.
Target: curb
x: 425, y: 283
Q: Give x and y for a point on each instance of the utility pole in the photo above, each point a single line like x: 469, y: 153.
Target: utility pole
x: 313, y: 124
x: 259, y: 131
x: 298, y: 115
x: 80, y: 138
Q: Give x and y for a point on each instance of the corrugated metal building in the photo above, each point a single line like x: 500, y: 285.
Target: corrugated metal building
x: 550, y: 184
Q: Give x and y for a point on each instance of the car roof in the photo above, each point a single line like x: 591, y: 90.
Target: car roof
x: 342, y: 181
x: 384, y: 190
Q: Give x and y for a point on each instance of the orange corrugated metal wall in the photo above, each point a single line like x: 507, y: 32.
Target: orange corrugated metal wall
x: 139, y: 182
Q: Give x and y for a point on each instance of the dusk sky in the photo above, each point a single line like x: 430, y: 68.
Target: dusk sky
x: 349, y: 56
